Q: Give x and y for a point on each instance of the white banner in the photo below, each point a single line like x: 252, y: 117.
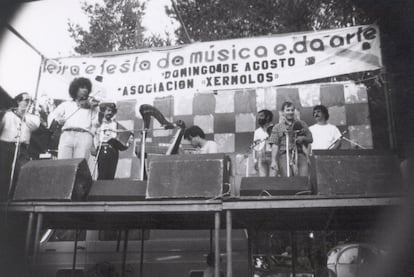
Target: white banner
x: 219, y: 65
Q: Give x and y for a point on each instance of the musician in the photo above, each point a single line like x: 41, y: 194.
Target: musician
x: 262, y: 150
x: 107, y: 152
x: 16, y: 125
x: 79, y: 118
x: 299, y: 137
x: 325, y: 135
x: 197, y: 138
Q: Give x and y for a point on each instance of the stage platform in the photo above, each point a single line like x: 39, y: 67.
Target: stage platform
x: 305, y: 212
x: 292, y: 212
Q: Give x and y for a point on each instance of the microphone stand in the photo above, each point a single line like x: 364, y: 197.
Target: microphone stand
x: 16, y: 153
x: 17, y: 150
x: 247, y: 164
x: 353, y: 142
x: 96, y: 158
x: 342, y: 137
x: 142, y: 161
x: 287, y: 155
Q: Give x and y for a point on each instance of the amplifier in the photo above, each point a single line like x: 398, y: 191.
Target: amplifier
x: 187, y: 176
x: 118, y: 190
x: 273, y: 186
x: 68, y: 179
x: 357, y: 172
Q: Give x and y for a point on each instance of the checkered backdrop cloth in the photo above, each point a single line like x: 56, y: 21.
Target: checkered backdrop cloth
x: 229, y: 117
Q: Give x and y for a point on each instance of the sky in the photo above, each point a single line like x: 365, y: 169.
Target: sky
x: 44, y: 25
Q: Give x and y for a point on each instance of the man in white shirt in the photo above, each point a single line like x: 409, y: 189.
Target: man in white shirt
x: 197, y: 138
x: 262, y: 151
x: 16, y: 126
x: 325, y: 135
x: 79, y: 118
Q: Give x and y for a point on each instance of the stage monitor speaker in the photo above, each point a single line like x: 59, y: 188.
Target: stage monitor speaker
x: 273, y: 186
x: 187, y: 176
x: 355, y: 172
x: 118, y: 190
x: 68, y: 179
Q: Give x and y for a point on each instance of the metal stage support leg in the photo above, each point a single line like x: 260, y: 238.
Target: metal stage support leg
x: 118, y: 239
x: 37, y: 236
x: 211, y: 241
x: 28, y: 242
x: 294, y: 253
x: 28, y: 236
x: 229, y: 244
x: 141, y: 264
x: 124, y: 254
x: 75, y: 252
x: 217, y: 244
x: 249, y: 253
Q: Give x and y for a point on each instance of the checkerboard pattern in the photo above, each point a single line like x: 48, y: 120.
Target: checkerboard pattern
x: 229, y: 117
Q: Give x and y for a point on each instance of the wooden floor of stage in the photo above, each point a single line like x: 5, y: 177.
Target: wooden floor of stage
x: 295, y: 212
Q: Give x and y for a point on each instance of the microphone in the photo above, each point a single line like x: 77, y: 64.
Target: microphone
x: 343, y: 133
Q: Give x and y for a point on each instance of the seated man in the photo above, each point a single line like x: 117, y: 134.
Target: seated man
x: 325, y: 135
x: 197, y: 138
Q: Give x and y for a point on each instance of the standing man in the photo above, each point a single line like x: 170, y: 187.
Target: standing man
x: 107, y: 150
x: 262, y: 150
x: 79, y: 120
x: 325, y: 135
x: 16, y: 127
x: 298, y: 136
x: 197, y: 138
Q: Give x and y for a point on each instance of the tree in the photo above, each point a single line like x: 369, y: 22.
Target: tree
x: 226, y: 19
x: 114, y: 26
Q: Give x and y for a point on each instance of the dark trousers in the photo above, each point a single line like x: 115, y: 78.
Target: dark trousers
x: 6, y: 162
x: 107, y: 162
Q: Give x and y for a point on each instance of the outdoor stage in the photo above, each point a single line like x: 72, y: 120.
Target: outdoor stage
x: 282, y: 212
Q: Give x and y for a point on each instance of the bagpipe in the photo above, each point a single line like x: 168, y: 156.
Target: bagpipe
x: 292, y: 156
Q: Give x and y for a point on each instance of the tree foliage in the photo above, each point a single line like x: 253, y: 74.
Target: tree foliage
x: 114, y: 26
x: 226, y: 19
x: 117, y: 24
